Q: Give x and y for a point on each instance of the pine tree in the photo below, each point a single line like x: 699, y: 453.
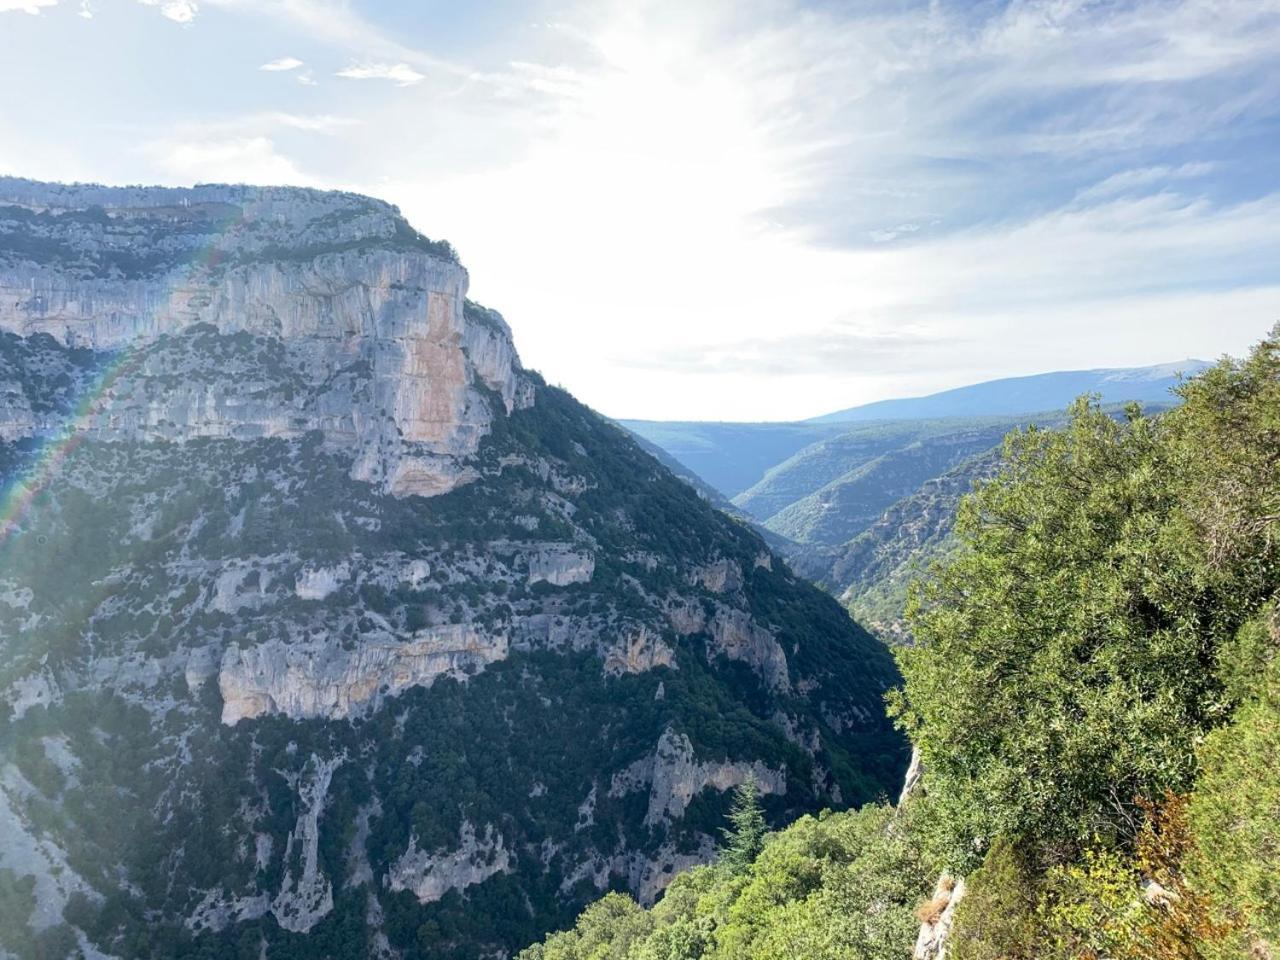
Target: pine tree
x: 744, y: 837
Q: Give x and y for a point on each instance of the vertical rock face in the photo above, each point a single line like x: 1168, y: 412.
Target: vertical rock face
x: 431, y: 876
x: 321, y: 679
x: 306, y: 894
x: 320, y: 616
x: 931, y: 943
x: 674, y: 777
x: 370, y: 320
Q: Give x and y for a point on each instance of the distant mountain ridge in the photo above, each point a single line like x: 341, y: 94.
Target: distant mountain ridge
x: 735, y: 457
x: 860, y: 501
x: 1041, y: 391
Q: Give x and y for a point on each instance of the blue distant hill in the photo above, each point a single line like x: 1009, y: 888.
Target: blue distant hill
x: 1043, y: 391
x: 735, y: 457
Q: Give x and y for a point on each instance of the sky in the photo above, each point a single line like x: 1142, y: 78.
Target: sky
x: 729, y: 209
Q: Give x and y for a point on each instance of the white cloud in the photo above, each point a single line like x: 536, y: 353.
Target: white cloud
x: 85, y: 11
x: 401, y: 73
x: 675, y: 170
x: 32, y: 7
x: 306, y: 78
x: 769, y: 209
x: 179, y: 11
x: 281, y: 65
x: 234, y: 160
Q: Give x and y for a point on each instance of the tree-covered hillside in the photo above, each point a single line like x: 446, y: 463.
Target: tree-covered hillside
x: 1095, y: 694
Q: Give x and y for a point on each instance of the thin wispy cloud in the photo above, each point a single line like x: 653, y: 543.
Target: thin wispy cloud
x: 401, y: 74
x: 1144, y: 178
x: 730, y: 188
x: 283, y: 64
x: 338, y: 23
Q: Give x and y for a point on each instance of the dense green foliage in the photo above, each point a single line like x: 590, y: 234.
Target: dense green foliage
x: 1235, y: 810
x: 745, y: 834
x: 840, y: 886
x: 1102, y: 644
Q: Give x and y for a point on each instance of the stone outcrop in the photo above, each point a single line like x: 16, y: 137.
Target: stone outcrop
x: 306, y: 894
x: 381, y: 351
x: 734, y: 634
x: 29, y: 851
x: 429, y: 876
x: 645, y: 875
x: 912, y: 781
x: 936, y: 919
x: 737, y: 636
x: 319, y: 583
x: 560, y: 564
x: 721, y: 576
x: 640, y: 651
x: 674, y: 776
x: 324, y: 679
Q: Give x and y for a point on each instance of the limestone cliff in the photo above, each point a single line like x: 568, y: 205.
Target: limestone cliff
x: 368, y: 321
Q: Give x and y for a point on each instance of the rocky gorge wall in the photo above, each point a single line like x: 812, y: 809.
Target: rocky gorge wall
x: 384, y: 354
x: 368, y: 634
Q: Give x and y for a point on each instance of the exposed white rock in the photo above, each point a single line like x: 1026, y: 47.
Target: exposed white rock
x: 560, y: 564
x: 911, y: 782
x: 218, y: 910
x: 686, y: 615
x: 737, y: 636
x: 29, y: 851
x: 674, y: 776
x: 360, y: 869
x: 17, y: 598
x: 638, y: 652
x: 35, y: 689
x: 322, y: 679
x: 587, y: 810
x: 410, y: 411
x: 931, y: 942
x: 429, y: 876
x: 319, y: 583
x: 720, y: 576
x: 646, y: 876
x: 415, y: 573
x: 202, y: 663
x: 306, y: 894
x: 230, y: 592
x: 649, y: 875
